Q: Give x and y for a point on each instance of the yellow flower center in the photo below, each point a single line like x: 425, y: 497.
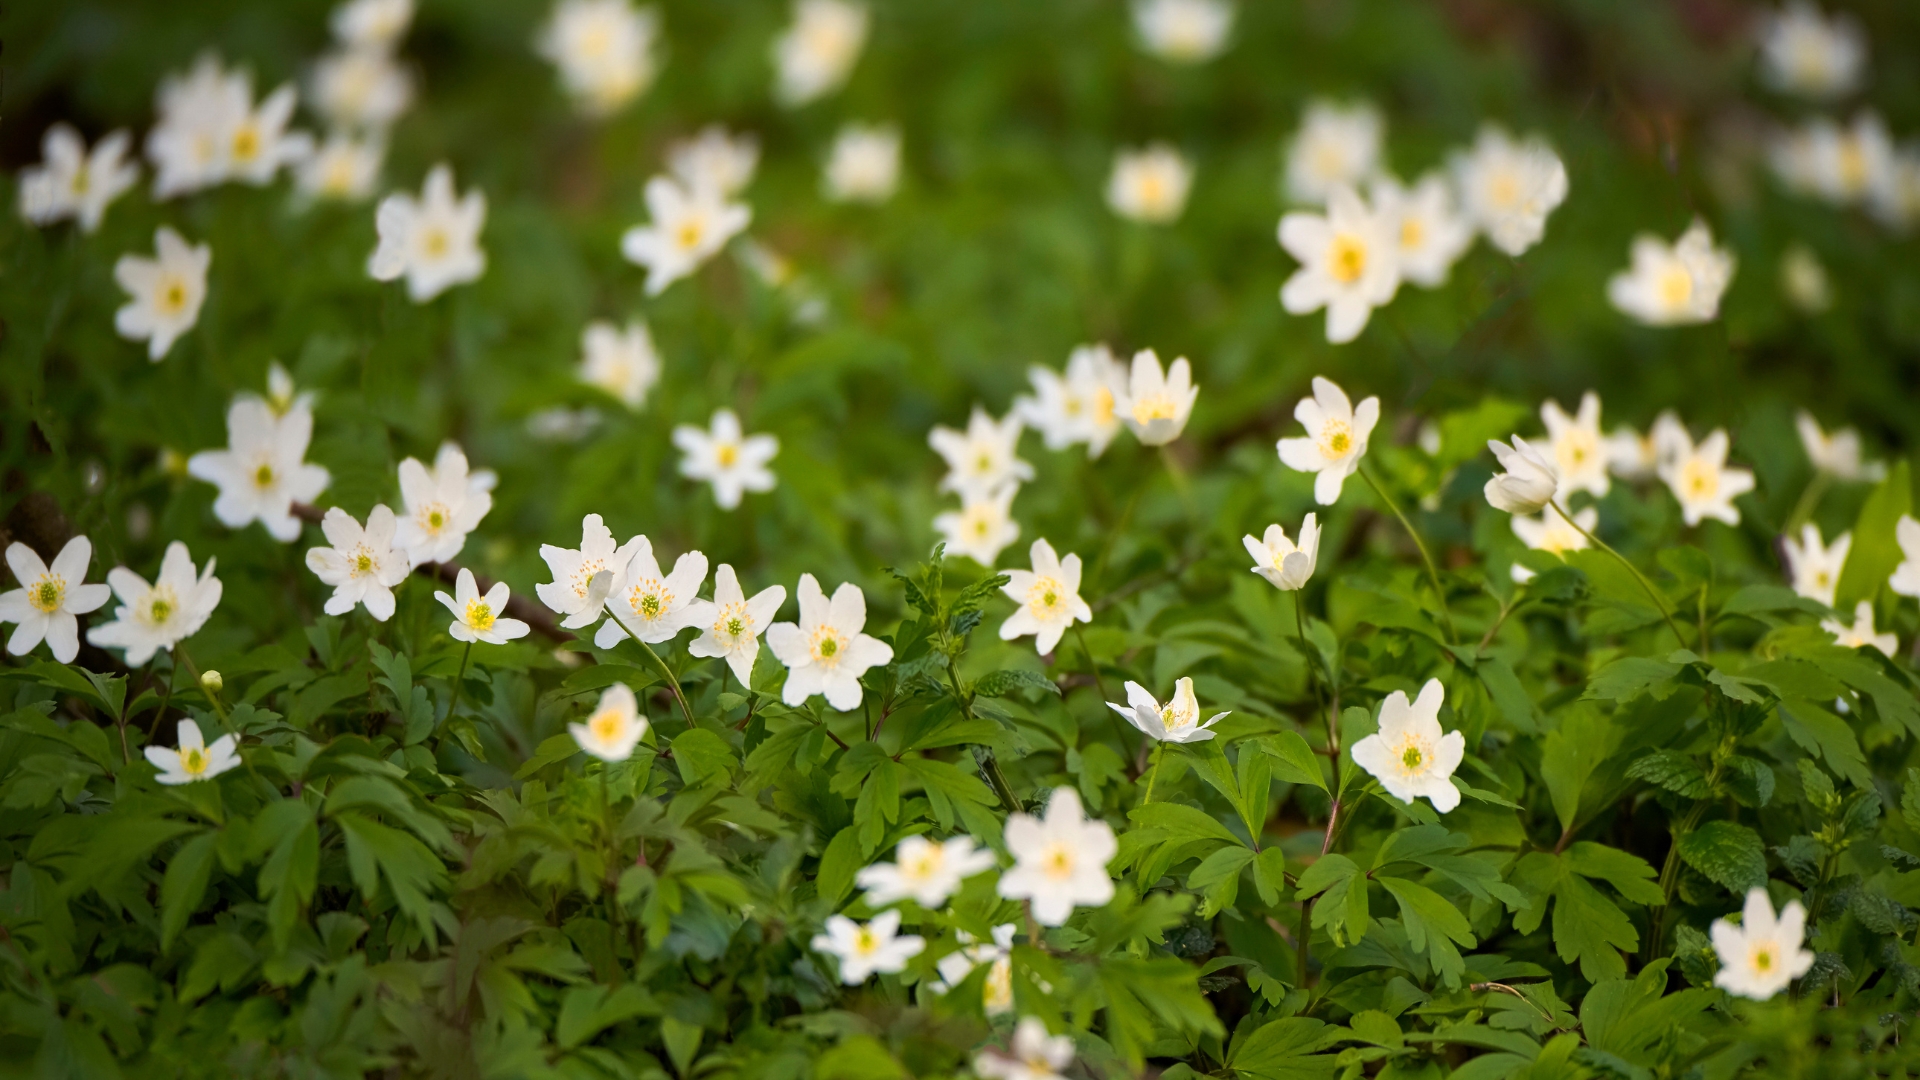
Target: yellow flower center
x: 733, y: 625
x: 727, y: 454
x: 263, y: 475
x: 1676, y: 286
x: 1575, y: 448
x: 1045, y: 598
x: 583, y: 577
x: 1503, y: 190
x: 194, y: 761
x: 1416, y: 755
x: 246, y: 143
x: 1103, y: 405
x: 1410, y: 758
x: 924, y: 865
x: 650, y: 599
x: 1336, y: 438
x: 1056, y: 862
x: 47, y: 593
x: 82, y: 180
x: 1699, y: 479
x: 1413, y: 233
x: 998, y: 992
x: 1156, y: 406
x: 435, y: 243
x: 1152, y: 190
x: 1346, y: 258
x: 1763, y: 959
x: 479, y: 615
x: 173, y: 296
x: 362, y: 562
x: 865, y: 942
x: 161, y: 604
x: 1853, y: 165
x: 433, y: 517
x: 606, y: 725
x: 689, y: 234
x: 827, y: 646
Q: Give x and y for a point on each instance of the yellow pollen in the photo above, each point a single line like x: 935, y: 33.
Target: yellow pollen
x: 1153, y: 407
x: 193, y: 761
x: 1347, y: 258
x: 732, y: 625
x: 434, y: 517
x: 1853, y: 165
x: 1676, y: 286
x: 159, y: 609
x: 174, y: 297
x: 689, y: 233
x: 1503, y: 191
x: 1699, y: 480
x: 1152, y: 192
x: 436, y: 243
x: 246, y: 144
x: 1336, y: 438
x: 605, y: 726
x: 1057, y: 863
x: 1412, y: 233
x: 1763, y: 959
x: 263, y: 476
x: 1411, y: 757
x: 363, y: 563
x: 727, y: 454
x: 1043, y: 597
x: 479, y: 615
x: 82, y: 180
x: 865, y: 942
x: 828, y: 643
x: 47, y: 594
x: 983, y: 463
x: 583, y: 577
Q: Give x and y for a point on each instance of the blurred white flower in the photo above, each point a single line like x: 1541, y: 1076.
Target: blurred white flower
x: 724, y: 456
x: 614, y: 727
x: 982, y: 457
x: 157, y: 616
x: 1508, y: 188
x: 1905, y: 579
x: 48, y: 599
x: 72, y: 183
x: 983, y: 526
x: 1702, y: 482
x: 1431, y: 232
x: 1838, y: 454
x: 282, y: 395
x: 1286, y: 566
x: 1410, y: 755
x: 560, y: 424
x: 733, y: 622
x: 1843, y: 165
x: 1349, y: 263
x: 865, y: 949
x: 1337, y: 146
x: 364, y: 89
x: 1815, y: 567
x: 1810, y: 54
x: 1336, y: 438
x: 925, y: 871
x: 1529, y: 482
x: 622, y: 362
x: 1036, y: 1055
x: 371, y: 24
x: 263, y: 470
x: 1633, y: 456
x: 997, y: 993
x: 442, y: 505
x: 164, y: 292
x: 1669, y: 285
x: 1158, y: 403
x: 1078, y: 406
x: 1759, y: 957
x: 1150, y: 184
x: 864, y: 164
x: 194, y: 760
x: 363, y: 564
x: 1178, y: 721
x: 715, y: 159
x: 1183, y: 31
x: 1060, y: 861
x: 191, y: 141
x: 1804, y: 281
x: 433, y: 240
x: 1552, y: 533
x: 572, y: 592
x: 259, y: 144
x: 604, y: 50
x: 813, y: 56
x: 477, y: 617
x: 1861, y: 634
x: 1895, y: 198
x: 1579, y: 449
x: 826, y: 652
x: 1049, y: 598
x: 689, y: 225
x: 344, y: 167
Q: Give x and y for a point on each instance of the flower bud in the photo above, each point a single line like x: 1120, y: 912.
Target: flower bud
x: 211, y: 682
x: 1529, y: 482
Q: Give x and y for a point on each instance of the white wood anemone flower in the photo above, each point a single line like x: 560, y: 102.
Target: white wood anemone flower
x: 1507, y: 188
x: 1861, y: 633
x: 1673, y: 284
x: 604, y: 51
x: 1337, y: 146
x: 45, y: 606
x: 716, y: 159
x: 647, y: 604
x: 362, y: 89
x: 1349, y: 263
x: 864, y: 164
x: 363, y: 564
x: 1034, y: 1055
x: 1150, y: 185
x: 1287, y: 566
x: 164, y: 292
x: 1336, y: 438
x: 724, y: 456
x: 1178, y: 721
x: 190, y: 140
x: 826, y: 651
x: 1183, y: 31
x: 1841, y: 164
x: 477, y: 617
x: 981, y: 458
x: 1049, y: 598
x: 614, y: 727
x: 688, y: 226
x: 814, y: 56
x: 263, y: 471
x: 1810, y: 54
x: 1763, y: 954
x: 866, y: 949
x: 1410, y: 756
x: 925, y: 871
x: 1905, y: 579
x: 983, y: 527
x: 1837, y: 453
x: 1079, y: 405
x: 1158, y: 403
x: 1895, y: 198
x: 1579, y: 449
x: 1633, y: 456
x: 344, y: 167
x: 733, y: 622
x: 71, y: 183
x: 997, y: 992
x: 621, y: 361
x: 442, y: 505
x: 156, y: 617
x: 194, y: 760
x: 1431, y: 232
x: 1530, y: 479
x: 371, y: 24
x: 1552, y: 533
x: 577, y: 591
x: 1699, y: 478
x: 258, y: 142
x: 432, y: 241
x: 1815, y: 566
x: 1060, y: 860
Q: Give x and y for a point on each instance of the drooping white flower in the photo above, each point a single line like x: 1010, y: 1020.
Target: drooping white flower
x: 733, y: 622
x: 623, y: 362
x: 1529, y: 481
x: 1410, y: 756
x: 191, y: 142
x: 363, y: 565
x: 1804, y: 281
x: 1338, y: 146
x: 1286, y: 566
x: 1842, y: 165
x: 1183, y: 31
x: 442, y: 504
x: 1837, y: 454
x: 924, y: 871
x: 1158, y: 402
x: 1905, y: 579
x: 726, y: 457
x: 615, y: 726
x: 604, y: 50
x: 865, y: 949
x: 814, y: 56
x: 434, y: 241
x: 155, y: 617
x: 1060, y: 861
x: 864, y: 164
x: 1336, y: 438
x: 1049, y: 598
x: 1759, y: 957
x: 826, y: 651
x: 164, y: 292
x: 981, y: 458
x: 690, y: 224
x: 258, y: 142
x: 647, y: 604
x: 1349, y: 263
x: 1150, y: 184
x: 1508, y: 188
x: 344, y: 167
x: 1815, y: 567
x: 572, y: 592
x: 1036, y: 1055
x: 1700, y: 479
x: 72, y: 183
x: 1553, y: 533
x: 194, y: 760
x: 1079, y: 406
x: 1633, y: 456
x: 1673, y: 284
x: 1178, y: 721
x: 1579, y: 450
x: 1861, y: 632
x: 1431, y: 231
x: 477, y: 617
x: 715, y: 159
x: 1812, y: 55
x: 48, y: 599
x: 983, y: 526
x: 360, y: 88
x: 263, y: 470
x: 997, y: 993
x: 371, y: 24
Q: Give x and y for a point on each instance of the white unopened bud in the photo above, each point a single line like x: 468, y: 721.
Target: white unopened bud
x: 1529, y: 482
x: 211, y: 682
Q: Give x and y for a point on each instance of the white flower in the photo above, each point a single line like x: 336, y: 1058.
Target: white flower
x: 733, y: 622
x: 1178, y: 721
x: 48, y: 598
x: 1349, y: 263
x: 925, y: 871
x: 825, y: 652
x: 1840, y: 165
x: 572, y: 591
x: 1762, y: 955
x: 1079, y: 406
x: 1895, y: 198
x: 1529, y: 482
x: 1060, y: 861
x: 1838, y: 454
x: 477, y: 617
x: 1036, y: 1055
x: 1905, y: 579
x: 997, y: 993
x: 814, y: 56
x: 560, y: 424
x: 864, y: 164
x: 1183, y: 31
x: 865, y: 949
x: 1049, y: 598
x: 72, y: 183
x: 1633, y: 456
x: 344, y: 167
x: 1815, y: 567
x: 1410, y: 756
x: 715, y: 159
x: 1580, y: 452
x: 981, y: 458
x: 1284, y: 564
x: 1700, y: 479
x: 1671, y: 285
x: 1157, y: 403
x: 647, y: 604
x: 363, y: 565
x: 1149, y: 184
x: 1806, y: 53
x: 1861, y: 632
x: 442, y: 505
x: 1553, y: 533
x: 614, y: 728
x: 1804, y: 281
x: 690, y: 224
x: 1337, y: 147
x: 360, y: 88
x: 371, y: 24
x: 1508, y: 188
x: 195, y: 760
x: 604, y: 50
x: 624, y: 363
x: 191, y: 142
x: 433, y: 240
x: 154, y: 617
x: 165, y: 292
x: 1336, y: 438
x: 258, y: 142
x: 1431, y: 232
x: 262, y: 472
x: 724, y: 456
x: 983, y: 526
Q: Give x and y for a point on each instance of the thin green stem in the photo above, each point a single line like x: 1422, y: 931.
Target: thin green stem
x: 1658, y: 600
x: 672, y: 681
x: 1159, y: 754
x: 459, y: 682
x: 1313, y: 672
x: 1809, y: 501
x: 1433, y: 571
x: 219, y: 709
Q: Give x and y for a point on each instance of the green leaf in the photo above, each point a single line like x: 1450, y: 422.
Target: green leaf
x: 1818, y: 730
x: 1729, y: 854
x: 1629, y: 874
x: 1503, y: 686
x: 1294, y: 762
x: 1568, y: 757
x: 552, y: 750
x: 1673, y: 772
x: 586, y: 1011
x: 412, y: 872
x: 1285, y: 1049
x: 185, y: 884
x: 1002, y: 683
x: 838, y: 864
x: 1629, y: 677
x: 1875, y: 551
x: 1342, y: 891
x: 1217, y: 878
x: 1433, y: 926
x: 701, y: 756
